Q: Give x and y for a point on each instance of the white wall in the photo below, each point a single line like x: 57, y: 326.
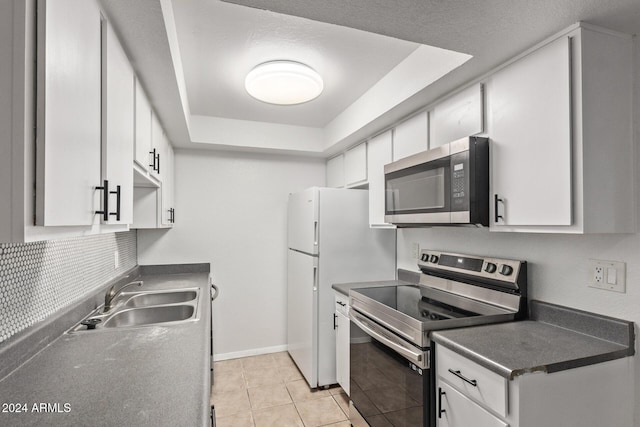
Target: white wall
x: 231, y: 212
x: 558, y: 264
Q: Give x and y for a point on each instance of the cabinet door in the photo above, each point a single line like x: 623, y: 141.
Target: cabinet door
x: 355, y: 165
x: 143, y: 129
x: 530, y: 128
x: 411, y: 136
x: 379, y: 154
x: 157, y: 144
x: 118, y: 126
x: 457, y: 117
x: 456, y: 410
x: 335, y: 172
x: 167, y: 204
x: 68, y: 112
x: 342, y: 350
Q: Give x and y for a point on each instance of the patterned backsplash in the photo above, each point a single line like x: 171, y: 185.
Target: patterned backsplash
x: 40, y: 278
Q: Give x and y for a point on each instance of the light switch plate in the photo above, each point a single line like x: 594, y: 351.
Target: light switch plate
x: 608, y: 275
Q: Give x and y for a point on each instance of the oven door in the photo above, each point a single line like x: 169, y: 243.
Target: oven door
x: 389, y: 377
x: 419, y: 193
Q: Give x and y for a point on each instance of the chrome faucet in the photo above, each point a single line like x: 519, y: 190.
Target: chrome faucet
x: 112, y: 293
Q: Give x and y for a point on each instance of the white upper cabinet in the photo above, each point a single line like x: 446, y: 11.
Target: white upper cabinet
x: 458, y: 116
x: 167, y: 203
x: 157, y: 143
x: 142, y: 157
x: 561, y: 143
x: 335, y: 172
x: 355, y: 165
x: 411, y: 136
x: 530, y: 103
x: 379, y: 154
x: 68, y: 112
x: 118, y: 128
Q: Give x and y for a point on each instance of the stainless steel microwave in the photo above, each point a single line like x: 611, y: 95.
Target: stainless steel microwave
x: 445, y: 185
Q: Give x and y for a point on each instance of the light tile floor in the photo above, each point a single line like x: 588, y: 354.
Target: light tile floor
x: 268, y: 390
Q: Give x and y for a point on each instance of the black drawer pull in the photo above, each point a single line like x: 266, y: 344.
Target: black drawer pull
x: 463, y: 378
x: 341, y: 303
x: 440, y: 410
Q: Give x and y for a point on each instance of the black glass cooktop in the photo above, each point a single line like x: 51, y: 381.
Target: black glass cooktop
x: 409, y: 299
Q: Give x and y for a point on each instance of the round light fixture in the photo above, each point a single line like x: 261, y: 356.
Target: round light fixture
x: 283, y: 83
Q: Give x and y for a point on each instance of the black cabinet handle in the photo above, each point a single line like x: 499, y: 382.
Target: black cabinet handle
x: 153, y: 165
x: 496, y: 199
x: 463, y: 378
x: 117, y: 212
x: 440, y: 410
x: 105, y: 200
x: 341, y: 303
x: 172, y: 215
x: 158, y: 159
x: 335, y: 317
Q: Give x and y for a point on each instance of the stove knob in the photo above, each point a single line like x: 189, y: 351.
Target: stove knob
x: 434, y: 258
x: 506, y: 270
x: 425, y: 257
x: 490, y: 267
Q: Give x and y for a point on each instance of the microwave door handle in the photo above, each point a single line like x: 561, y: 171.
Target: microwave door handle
x: 413, y: 356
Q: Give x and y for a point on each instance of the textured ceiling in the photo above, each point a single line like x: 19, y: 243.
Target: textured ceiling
x: 490, y: 30
x: 220, y: 43
x: 470, y: 26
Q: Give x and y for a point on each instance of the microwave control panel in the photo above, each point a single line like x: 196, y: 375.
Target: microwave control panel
x: 460, y: 181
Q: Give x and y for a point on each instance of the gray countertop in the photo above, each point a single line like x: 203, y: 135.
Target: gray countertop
x: 404, y: 277
x: 149, y: 375
x: 552, y: 341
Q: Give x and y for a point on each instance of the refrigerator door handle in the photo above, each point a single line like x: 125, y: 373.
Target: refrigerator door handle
x: 315, y: 278
x: 315, y: 233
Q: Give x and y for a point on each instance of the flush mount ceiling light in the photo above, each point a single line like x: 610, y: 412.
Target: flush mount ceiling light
x: 284, y: 83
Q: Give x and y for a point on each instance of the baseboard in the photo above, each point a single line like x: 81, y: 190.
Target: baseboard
x: 251, y: 352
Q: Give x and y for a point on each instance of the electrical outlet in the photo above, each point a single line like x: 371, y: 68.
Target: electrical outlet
x: 415, y: 250
x: 608, y: 275
x: 116, y: 259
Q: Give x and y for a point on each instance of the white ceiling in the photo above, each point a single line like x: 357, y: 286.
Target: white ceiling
x: 219, y: 42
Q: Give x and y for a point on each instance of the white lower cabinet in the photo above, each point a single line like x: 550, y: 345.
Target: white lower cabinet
x: 467, y: 394
x: 342, y: 325
x: 457, y: 410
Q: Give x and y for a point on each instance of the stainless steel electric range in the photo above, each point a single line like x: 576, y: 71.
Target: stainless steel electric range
x: 390, y: 352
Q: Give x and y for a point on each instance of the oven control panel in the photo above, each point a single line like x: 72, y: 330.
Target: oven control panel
x: 502, y: 270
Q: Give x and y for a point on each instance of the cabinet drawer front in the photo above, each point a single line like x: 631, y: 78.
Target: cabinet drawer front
x: 456, y: 410
x: 342, y: 303
x: 490, y: 389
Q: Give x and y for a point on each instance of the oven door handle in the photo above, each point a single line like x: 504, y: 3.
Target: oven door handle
x: 375, y: 332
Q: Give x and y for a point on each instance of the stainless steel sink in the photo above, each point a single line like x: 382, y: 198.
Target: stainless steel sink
x: 149, y: 315
x: 159, y: 298
x: 144, y: 308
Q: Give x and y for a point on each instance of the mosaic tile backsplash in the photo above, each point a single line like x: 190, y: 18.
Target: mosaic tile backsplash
x: 37, y: 279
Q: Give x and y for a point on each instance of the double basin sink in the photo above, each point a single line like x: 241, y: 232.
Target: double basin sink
x: 144, y: 308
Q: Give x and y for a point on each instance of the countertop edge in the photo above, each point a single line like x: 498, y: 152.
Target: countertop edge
x: 487, y: 362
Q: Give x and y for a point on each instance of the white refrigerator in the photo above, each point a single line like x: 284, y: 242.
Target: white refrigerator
x: 329, y: 242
